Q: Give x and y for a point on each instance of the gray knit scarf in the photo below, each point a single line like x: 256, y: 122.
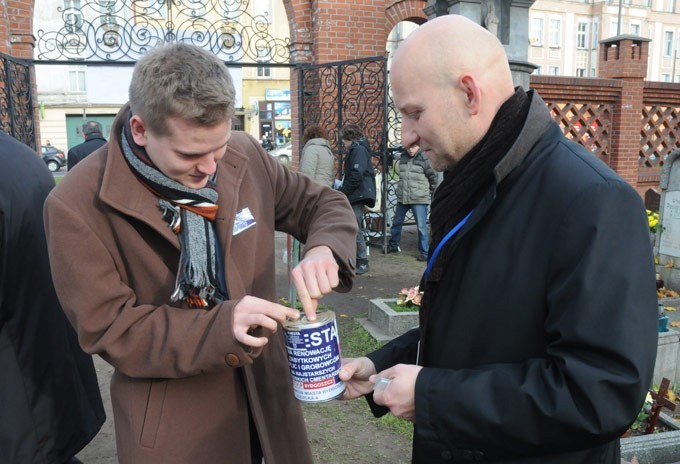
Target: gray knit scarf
x: 189, y: 213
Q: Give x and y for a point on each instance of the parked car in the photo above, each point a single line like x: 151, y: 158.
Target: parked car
x: 53, y: 157
x: 284, y: 153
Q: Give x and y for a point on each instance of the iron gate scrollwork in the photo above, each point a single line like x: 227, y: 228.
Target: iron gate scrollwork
x: 350, y: 92
x: 16, y: 100
x: 116, y: 30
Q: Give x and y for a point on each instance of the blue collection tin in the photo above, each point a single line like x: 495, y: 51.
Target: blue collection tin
x: 314, y: 357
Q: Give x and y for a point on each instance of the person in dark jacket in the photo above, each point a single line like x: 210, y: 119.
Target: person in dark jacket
x: 417, y: 181
x: 538, y: 327
x: 50, y: 406
x: 94, y: 138
x: 358, y: 184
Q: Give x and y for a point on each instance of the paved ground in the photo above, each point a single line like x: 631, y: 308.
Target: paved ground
x: 387, y: 276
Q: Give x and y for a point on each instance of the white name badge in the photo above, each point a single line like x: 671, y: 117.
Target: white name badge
x: 244, y: 220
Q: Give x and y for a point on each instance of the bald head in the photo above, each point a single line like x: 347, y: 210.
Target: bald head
x: 451, y: 45
x: 454, y: 76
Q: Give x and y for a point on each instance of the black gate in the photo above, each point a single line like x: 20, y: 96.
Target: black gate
x: 335, y: 94
x: 16, y: 100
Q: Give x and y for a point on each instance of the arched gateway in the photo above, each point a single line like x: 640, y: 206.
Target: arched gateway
x: 334, y: 81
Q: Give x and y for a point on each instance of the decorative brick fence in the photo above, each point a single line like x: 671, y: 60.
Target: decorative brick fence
x: 630, y: 124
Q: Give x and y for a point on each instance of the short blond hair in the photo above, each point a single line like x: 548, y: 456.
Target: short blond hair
x: 181, y: 80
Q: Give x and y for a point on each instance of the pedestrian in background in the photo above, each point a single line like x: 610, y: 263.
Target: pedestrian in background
x: 163, y: 250
x: 417, y: 181
x: 538, y: 322
x: 358, y: 183
x: 50, y: 405
x: 316, y: 159
x: 94, y: 138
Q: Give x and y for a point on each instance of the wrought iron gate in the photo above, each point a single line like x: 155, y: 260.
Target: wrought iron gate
x: 335, y: 94
x: 16, y: 100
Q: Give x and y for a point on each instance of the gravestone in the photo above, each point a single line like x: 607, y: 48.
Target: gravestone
x: 652, y: 199
x: 497, y: 16
x: 667, y: 246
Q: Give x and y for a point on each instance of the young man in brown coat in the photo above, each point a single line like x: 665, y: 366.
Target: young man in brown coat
x: 167, y: 238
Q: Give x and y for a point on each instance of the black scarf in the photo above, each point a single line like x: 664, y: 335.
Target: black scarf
x: 467, y: 182
x: 189, y: 213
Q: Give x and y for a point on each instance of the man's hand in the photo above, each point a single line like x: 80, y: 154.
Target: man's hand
x: 355, y: 372
x: 252, y: 312
x: 315, y: 276
x: 400, y: 394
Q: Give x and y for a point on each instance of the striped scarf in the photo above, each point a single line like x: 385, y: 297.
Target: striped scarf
x: 189, y: 213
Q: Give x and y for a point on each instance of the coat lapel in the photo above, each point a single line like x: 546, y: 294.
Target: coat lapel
x: 122, y: 190
x: 230, y: 172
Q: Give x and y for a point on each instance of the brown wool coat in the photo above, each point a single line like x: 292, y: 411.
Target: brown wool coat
x: 183, y: 385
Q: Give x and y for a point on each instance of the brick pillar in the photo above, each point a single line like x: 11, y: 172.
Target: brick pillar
x: 624, y: 57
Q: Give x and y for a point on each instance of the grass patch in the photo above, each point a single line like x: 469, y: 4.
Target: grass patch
x: 402, y: 308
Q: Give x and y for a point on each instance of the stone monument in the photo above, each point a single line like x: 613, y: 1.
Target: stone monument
x: 667, y: 246
x: 497, y: 16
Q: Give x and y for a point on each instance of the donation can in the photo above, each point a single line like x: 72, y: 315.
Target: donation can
x: 314, y: 357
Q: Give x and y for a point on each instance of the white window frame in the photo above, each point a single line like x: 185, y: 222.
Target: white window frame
x: 555, y: 33
x: 665, y: 77
x: 582, y: 34
x: 668, y: 42
x: 263, y: 71
x: 78, y: 84
x: 595, y: 39
x: 537, y: 28
x: 76, y: 5
x: 635, y: 25
x: 553, y: 70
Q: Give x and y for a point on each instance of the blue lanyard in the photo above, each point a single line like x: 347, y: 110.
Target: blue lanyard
x: 451, y: 233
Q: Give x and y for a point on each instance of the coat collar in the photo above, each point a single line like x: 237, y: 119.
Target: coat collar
x: 538, y: 121
x: 121, y: 190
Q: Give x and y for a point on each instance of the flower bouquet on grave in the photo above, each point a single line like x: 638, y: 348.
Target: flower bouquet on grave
x: 410, y: 297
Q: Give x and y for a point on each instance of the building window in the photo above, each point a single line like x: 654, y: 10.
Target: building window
x: 582, y: 34
x: 555, y: 33
x: 666, y: 77
x: 668, y: 44
x: 596, y: 38
x: 76, y: 79
x: 580, y: 72
x: 264, y: 71
x: 614, y: 27
x: 538, y: 71
x: 593, y: 72
x: 73, y: 16
x: 553, y: 70
x: 263, y: 57
x: 634, y: 28
x: 669, y: 6
x: 536, y: 37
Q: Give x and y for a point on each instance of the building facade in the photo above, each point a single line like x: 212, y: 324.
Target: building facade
x: 564, y: 34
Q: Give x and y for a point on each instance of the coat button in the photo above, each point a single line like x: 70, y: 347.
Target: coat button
x: 232, y: 360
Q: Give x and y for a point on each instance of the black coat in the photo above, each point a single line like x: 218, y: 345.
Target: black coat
x: 50, y: 406
x: 79, y: 152
x: 359, y: 175
x: 540, y: 343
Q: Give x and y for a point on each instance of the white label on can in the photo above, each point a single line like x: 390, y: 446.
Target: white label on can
x: 314, y: 360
